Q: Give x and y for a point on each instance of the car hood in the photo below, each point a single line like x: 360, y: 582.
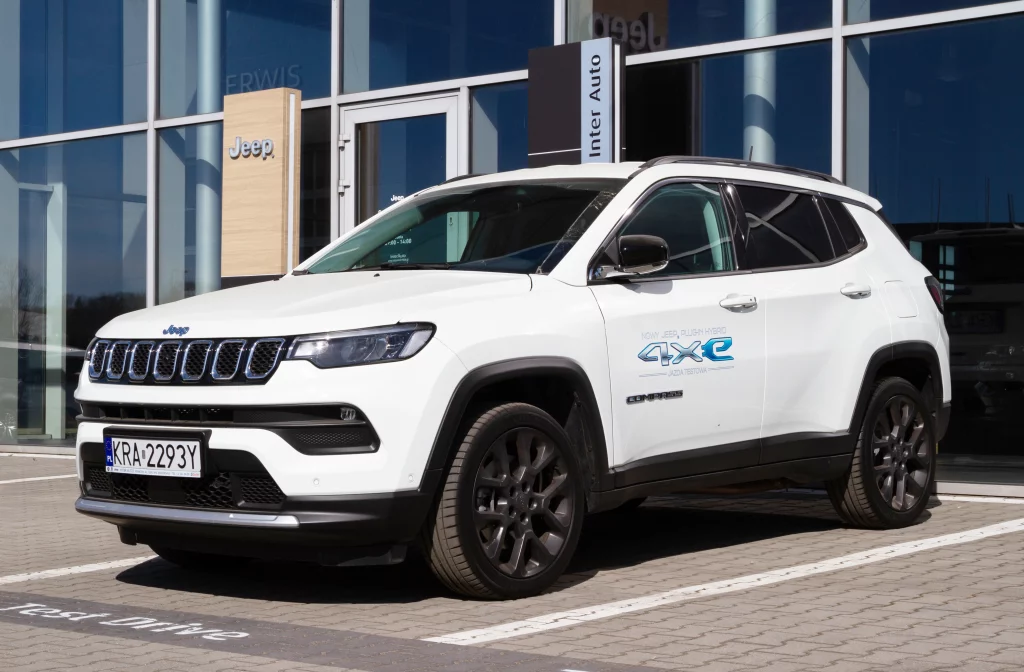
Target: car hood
x: 317, y: 303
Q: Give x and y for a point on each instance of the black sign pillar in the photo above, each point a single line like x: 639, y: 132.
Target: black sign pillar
x: 575, y: 103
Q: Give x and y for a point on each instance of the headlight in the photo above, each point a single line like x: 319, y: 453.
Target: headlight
x: 365, y: 346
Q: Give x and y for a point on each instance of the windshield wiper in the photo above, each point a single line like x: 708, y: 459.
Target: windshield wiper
x: 412, y: 266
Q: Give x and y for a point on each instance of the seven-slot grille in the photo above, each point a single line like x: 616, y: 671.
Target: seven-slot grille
x: 228, y: 360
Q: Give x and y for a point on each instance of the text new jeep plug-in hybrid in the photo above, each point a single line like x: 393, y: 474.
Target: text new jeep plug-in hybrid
x: 482, y: 364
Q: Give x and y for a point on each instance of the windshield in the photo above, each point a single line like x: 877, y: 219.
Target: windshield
x: 511, y: 228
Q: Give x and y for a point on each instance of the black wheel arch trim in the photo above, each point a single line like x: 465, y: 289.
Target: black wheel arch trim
x: 919, y: 350
x: 443, y: 449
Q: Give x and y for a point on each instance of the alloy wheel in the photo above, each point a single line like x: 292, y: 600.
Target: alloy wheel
x: 523, y: 502
x: 901, y: 453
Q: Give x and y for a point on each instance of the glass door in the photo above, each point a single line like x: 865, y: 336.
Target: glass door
x: 393, y: 150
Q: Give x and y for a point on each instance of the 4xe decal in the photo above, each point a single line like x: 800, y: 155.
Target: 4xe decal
x: 673, y: 353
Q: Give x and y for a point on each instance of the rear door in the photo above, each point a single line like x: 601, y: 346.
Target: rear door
x: 825, y: 318
x: 685, y: 345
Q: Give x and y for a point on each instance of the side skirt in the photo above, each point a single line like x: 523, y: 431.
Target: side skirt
x: 810, y: 470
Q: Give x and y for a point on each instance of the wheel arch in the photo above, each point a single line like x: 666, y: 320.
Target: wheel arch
x: 544, y: 382
x: 915, y: 361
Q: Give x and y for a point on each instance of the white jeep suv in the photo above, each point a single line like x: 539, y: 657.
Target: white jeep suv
x: 484, y: 363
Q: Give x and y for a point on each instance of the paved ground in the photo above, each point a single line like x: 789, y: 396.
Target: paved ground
x: 957, y: 606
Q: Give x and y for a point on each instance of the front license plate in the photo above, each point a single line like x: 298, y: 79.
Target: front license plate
x: 154, y: 457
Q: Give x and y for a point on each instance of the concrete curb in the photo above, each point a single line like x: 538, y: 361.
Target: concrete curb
x: 38, y: 450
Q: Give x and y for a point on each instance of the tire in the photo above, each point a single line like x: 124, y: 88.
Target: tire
x: 501, y: 531
x: 890, y: 477
x: 199, y: 562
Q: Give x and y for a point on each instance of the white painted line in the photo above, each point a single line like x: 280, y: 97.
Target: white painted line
x: 38, y: 478
x: 565, y: 619
x: 46, y: 457
x: 981, y: 499
x: 68, y: 571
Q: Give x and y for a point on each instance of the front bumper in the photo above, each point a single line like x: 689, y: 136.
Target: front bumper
x: 330, y: 530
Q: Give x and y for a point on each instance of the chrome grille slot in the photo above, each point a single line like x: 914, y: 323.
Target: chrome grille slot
x: 166, y: 360
x: 263, y: 357
x: 138, y: 363
x: 196, y: 356
x: 226, y: 359
x: 97, y: 358
x: 117, y: 359
x: 172, y: 362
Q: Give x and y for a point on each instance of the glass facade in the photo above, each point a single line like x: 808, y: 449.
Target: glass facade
x: 73, y: 222
x: 933, y: 132
x: 498, y: 119
x: 929, y: 126
x: 400, y: 42
x: 858, y: 11
x: 213, y: 48
x: 654, y: 25
x: 70, y: 65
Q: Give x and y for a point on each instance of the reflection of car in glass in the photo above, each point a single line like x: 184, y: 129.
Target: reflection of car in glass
x: 983, y: 281
x: 483, y: 363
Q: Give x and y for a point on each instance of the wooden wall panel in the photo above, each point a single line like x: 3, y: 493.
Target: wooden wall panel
x: 254, y: 196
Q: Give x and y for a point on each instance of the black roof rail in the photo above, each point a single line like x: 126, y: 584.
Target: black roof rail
x: 462, y: 177
x: 735, y: 163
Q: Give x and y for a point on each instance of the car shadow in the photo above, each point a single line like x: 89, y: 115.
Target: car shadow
x: 663, y: 527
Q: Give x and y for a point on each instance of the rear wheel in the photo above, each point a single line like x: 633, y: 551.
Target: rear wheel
x: 511, y: 510
x: 202, y: 562
x: 890, y: 477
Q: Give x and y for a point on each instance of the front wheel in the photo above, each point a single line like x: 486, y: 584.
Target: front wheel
x: 890, y: 477
x: 512, y: 507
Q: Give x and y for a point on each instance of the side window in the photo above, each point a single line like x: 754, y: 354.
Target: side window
x: 848, y: 230
x: 692, y: 220
x: 786, y: 229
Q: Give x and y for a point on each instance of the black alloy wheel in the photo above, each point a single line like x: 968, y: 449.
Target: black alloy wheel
x: 889, y: 480
x: 511, y: 509
x: 901, y: 452
x: 524, y: 503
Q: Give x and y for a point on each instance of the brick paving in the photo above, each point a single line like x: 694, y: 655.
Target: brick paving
x: 958, y: 607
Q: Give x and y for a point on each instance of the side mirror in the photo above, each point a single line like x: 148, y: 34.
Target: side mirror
x: 640, y: 255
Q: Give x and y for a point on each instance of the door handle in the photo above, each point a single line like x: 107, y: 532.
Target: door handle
x: 855, y: 291
x: 738, y: 302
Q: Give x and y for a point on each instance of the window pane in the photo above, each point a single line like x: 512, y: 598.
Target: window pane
x: 653, y: 25
x: 70, y: 66
x: 858, y: 11
x: 73, y: 225
x: 499, y: 128
x: 772, y: 106
x: 848, y: 230
x: 217, y: 47
x: 189, y: 209
x: 786, y: 229
x: 934, y: 133
x: 315, y: 182
x: 388, y: 44
x: 692, y: 220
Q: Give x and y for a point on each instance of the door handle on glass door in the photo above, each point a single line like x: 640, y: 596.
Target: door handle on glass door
x: 855, y: 291
x: 738, y: 302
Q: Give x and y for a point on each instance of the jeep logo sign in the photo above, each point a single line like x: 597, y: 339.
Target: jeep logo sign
x: 254, y: 148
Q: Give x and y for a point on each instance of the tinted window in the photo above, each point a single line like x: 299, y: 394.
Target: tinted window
x: 786, y: 229
x: 848, y: 230
x: 510, y: 228
x: 692, y: 220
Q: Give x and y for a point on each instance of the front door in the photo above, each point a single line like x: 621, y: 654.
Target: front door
x: 391, y: 151
x: 686, y: 345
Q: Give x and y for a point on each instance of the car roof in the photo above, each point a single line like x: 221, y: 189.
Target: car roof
x: 695, y: 167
